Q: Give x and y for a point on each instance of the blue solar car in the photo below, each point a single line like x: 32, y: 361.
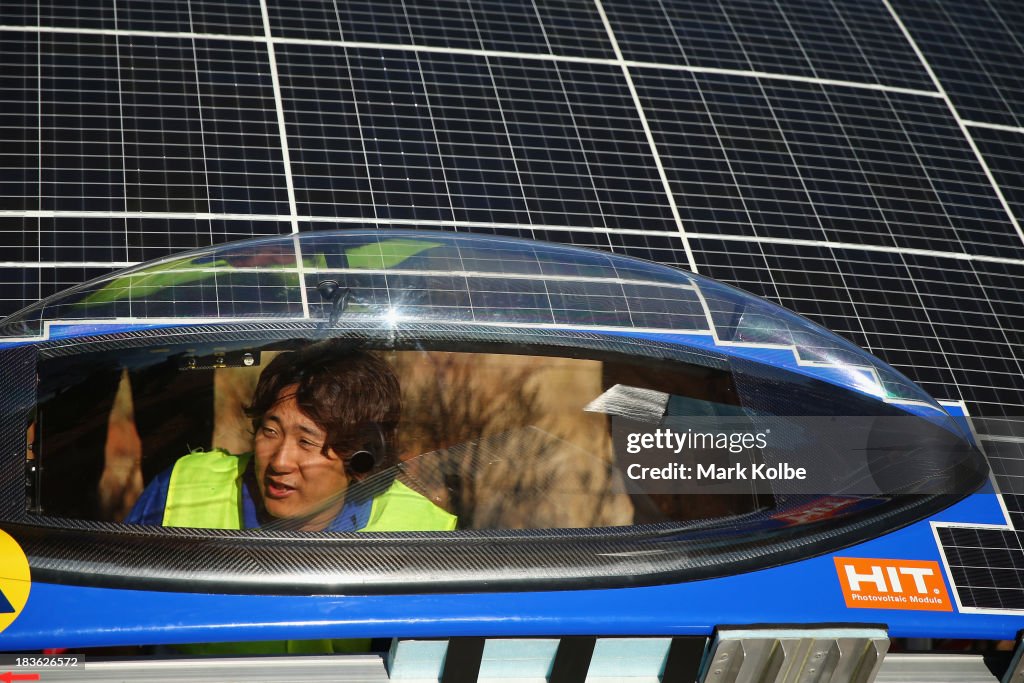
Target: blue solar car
x: 589, y: 467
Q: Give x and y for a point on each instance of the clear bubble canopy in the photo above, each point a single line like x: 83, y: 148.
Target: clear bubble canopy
x: 395, y: 280
x: 583, y: 354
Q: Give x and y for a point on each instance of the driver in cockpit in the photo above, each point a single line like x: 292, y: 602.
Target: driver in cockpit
x: 325, y: 420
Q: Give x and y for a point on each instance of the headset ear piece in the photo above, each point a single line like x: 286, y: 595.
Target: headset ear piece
x: 367, y: 459
x: 362, y: 462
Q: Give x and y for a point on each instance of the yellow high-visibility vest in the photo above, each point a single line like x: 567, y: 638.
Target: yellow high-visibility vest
x: 205, y: 492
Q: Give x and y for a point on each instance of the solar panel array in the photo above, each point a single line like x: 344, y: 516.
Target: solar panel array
x: 858, y: 162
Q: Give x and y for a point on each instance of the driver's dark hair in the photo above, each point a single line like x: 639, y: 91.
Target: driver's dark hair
x: 352, y: 394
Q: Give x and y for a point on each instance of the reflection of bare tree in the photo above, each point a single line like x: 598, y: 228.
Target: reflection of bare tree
x: 232, y: 391
x: 530, y: 478
x: 508, y: 443
x: 456, y: 407
x: 121, y: 481
x: 516, y: 449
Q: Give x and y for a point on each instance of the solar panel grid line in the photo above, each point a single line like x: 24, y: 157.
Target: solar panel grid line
x: 359, y: 126
x: 22, y: 286
x: 757, y: 141
x: 1003, y: 150
x: 202, y: 124
x: 877, y: 40
x: 650, y: 138
x: 414, y: 222
x: 1010, y: 591
x: 474, y: 52
x: 728, y: 161
x: 957, y: 256
x: 285, y: 154
x: 936, y: 309
x: 121, y: 128
x: 800, y: 45
x: 949, y: 179
x: 991, y: 88
x: 1011, y: 482
x: 511, y: 146
x: 976, y: 583
x: 39, y: 147
x: 572, y: 114
x: 403, y: 152
x: 969, y: 317
x: 732, y: 172
x: 396, y: 222
x: 478, y: 52
x: 68, y: 264
x: 87, y: 76
x: 945, y: 554
x: 510, y: 26
x: 433, y: 133
x: 279, y: 110
x: 966, y: 546
x: 993, y: 126
x: 981, y: 357
x: 161, y: 84
x: 1018, y: 360
x: 960, y: 122
x: 837, y: 39
x: 931, y: 183
x: 608, y: 133
x: 969, y: 537
x: 473, y: 310
x: 524, y: 98
x: 905, y: 338
x: 572, y: 228
x: 1008, y: 31
x: 750, y: 140
x: 433, y: 125
x: 842, y: 277
x: 856, y: 44
x: 1003, y: 439
x: 769, y: 34
x: 137, y: 33
x: 995, y: 584
x: 467, y: 273
x: 768, y: 75
x: 771, y: 274
x: 196, y: 215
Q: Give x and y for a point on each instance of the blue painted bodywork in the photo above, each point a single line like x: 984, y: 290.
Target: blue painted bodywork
x: 802, y: 592
x: 805, y: 592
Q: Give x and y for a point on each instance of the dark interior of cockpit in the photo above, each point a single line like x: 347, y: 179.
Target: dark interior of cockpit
x: 500, y: 435
x: 502, y: 439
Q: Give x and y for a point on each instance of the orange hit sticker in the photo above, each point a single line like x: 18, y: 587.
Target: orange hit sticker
x: 892, y: 584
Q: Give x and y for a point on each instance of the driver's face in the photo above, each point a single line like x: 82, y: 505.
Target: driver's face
x: 297, y: 479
